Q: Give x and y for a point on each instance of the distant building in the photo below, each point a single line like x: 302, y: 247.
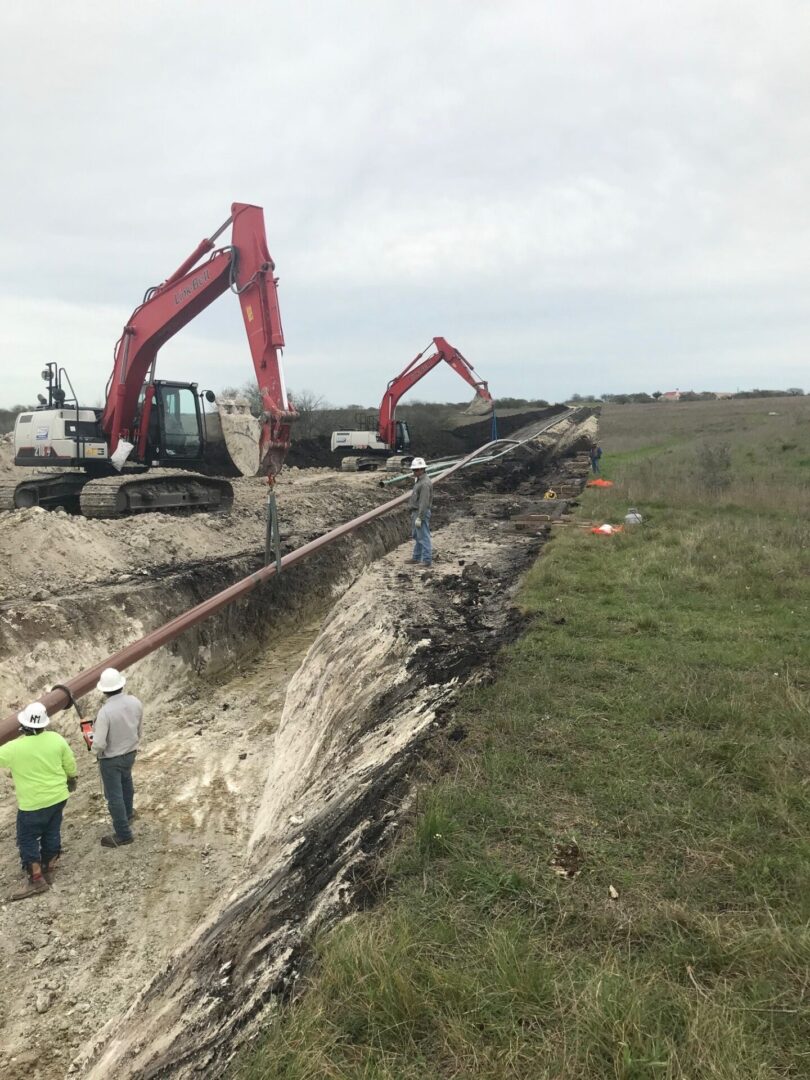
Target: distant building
x: 722, y: 395
x: 671, y: 395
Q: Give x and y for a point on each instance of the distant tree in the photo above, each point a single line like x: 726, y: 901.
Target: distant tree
x: 576, y: 397
x: 8, y: 417
x: 757, y: 393
x: 795, y: 391
x: 307, y: 403
x: 504, y: 403
x: 249, y: 391
x: 657, y: 395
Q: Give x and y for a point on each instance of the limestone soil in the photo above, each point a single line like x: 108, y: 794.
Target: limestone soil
x: 74, y: 590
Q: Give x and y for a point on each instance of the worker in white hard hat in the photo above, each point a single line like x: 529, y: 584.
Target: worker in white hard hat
x: 43, y: 769
x: 117, y: 733
x: 421, y: 504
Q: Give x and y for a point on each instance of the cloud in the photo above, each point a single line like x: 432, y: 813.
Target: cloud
x: 569, y: 193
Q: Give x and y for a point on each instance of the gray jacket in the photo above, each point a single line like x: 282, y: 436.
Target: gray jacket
x: 422, y: 495
x: 118, y: 727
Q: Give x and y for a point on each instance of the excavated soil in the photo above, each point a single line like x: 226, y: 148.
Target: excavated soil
x: 280, y: 739
x: 50, y: 554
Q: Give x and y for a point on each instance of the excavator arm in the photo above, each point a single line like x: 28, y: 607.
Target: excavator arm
x: 245, y: 267
x: 415, y: 371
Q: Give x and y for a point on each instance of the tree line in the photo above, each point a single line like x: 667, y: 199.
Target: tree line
x: 686, y: 395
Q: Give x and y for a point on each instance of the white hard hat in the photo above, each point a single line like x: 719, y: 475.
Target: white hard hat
x: 418, y: 463
x: 110, y: 681
x: 34, y: 717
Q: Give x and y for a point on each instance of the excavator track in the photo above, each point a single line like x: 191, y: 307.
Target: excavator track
x: 47, y: 490
x: 156, y: 490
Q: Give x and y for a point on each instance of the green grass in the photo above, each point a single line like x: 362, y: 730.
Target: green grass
x: 653, y: 724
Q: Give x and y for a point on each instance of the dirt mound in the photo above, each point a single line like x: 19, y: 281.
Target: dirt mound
x: 7, y: 453
x: 45, y: 554
x: 313, y: 453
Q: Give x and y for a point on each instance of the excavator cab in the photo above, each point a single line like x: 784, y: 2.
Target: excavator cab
x: 403, y: 438
x: 176, y: 433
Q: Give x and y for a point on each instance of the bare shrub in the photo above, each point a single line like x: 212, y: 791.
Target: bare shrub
x: 308, y: 404
x: 714, y: 466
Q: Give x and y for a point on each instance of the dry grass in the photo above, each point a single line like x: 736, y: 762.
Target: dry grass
x: 657, y: 453
x: 625, y: 428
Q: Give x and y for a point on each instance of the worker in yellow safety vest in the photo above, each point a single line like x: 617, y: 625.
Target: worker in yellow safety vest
x: 43, y: 769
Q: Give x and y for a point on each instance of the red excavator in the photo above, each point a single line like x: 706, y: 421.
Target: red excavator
x: 150, y: 445
x: 391, y: 436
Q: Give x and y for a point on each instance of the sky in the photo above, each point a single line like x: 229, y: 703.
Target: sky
x: 582, y: 197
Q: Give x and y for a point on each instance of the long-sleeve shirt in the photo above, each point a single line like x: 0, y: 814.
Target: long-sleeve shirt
x: 119, y: 726
x: 422, y: 495
x: 40, y: 766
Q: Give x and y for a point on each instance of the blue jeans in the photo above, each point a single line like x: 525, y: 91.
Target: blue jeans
x: 116, y: 776
x: 423, y: 544
x: 39, y: 833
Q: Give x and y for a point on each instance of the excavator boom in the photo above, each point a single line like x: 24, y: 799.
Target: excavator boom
x: 415, y: 371
x: 245, y: 267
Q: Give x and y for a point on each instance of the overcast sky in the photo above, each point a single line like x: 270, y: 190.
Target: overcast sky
x: 582, y: 197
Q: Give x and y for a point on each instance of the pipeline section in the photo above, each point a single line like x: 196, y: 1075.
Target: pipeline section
x: 63, y: 695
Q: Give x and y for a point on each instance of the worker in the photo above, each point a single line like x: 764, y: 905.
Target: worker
x: 43, y: 769
x: 117, y: 733
x: 595, y: 455
x: 420, y: 504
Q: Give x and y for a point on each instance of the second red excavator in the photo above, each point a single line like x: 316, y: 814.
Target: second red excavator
x: 366, y: 449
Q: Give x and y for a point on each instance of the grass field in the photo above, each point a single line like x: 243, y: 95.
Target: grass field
x: 610, y: 876
x: 661, y: 453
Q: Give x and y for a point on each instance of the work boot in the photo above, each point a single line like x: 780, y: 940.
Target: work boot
x: 50, y: 868
x: 115, y: 841
x: 30, y: 887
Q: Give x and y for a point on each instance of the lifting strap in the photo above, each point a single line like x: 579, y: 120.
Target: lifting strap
x: 272, y: 539
x: 85, y: 726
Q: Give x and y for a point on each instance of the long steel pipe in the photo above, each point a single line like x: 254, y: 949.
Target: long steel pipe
x: 80, y: 684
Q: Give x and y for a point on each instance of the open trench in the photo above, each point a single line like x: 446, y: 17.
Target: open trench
x: 281, y: 738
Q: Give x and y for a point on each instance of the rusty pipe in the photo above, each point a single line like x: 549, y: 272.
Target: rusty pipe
x: 60, y: 697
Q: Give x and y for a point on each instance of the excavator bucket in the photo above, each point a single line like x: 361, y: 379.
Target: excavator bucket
x: 479, y: 406
x: 232, y: 439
